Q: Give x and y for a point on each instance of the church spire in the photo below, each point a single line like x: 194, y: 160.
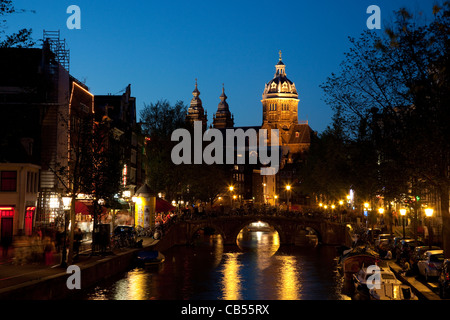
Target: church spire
x: 280, y: 68
x: 223, y: 117
x: 196, y: 111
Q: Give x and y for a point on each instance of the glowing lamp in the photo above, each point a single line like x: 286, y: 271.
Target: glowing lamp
x: 429, y: 212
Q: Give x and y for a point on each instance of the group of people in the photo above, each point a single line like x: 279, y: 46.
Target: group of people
x: 36, y: 248
x: 162, y: 218
x: 40, y: 247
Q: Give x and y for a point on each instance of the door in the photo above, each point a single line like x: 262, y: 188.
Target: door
x: 29, y: 221
x: 7, y: 230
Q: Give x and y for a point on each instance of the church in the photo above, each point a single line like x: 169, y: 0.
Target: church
x: 280, y: 101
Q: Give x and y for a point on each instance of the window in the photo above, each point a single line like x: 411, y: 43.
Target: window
x: 8, y: 180
x: 133, y: 156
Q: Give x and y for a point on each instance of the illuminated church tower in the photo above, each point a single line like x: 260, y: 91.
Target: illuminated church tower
x: 195, y: 110
x: 223, y: 117
x: 280, y: 111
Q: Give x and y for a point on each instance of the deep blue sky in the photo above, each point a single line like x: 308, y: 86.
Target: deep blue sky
x: 160, y: 47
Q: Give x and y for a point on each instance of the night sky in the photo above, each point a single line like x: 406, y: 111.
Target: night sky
x: 160, y: 47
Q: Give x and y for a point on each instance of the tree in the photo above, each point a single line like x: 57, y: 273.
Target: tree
x: 326, y: 170
x: 395, y: 88
x: 20, y: 39
x: 159, y: 120
x: 207, y: 182
x: 92, y: 167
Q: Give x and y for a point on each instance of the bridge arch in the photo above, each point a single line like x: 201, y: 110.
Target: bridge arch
x: 287, y: 227
x: 196, y: 227
x: 245, y: 222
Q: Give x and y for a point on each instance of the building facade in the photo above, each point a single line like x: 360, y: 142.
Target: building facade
x: 280, y: 111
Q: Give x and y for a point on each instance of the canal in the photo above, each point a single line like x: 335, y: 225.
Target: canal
x: 257, y: 268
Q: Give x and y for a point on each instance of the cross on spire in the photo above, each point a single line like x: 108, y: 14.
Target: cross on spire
x: 280, y: 54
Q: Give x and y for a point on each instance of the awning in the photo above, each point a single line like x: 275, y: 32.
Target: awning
x: 163, y: 206
x: 85, y: 207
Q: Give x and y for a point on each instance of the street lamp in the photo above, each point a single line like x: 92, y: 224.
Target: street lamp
x: 429, y: 214
x: 403, y: 214
x: 231, y: 188
x: 67, y: 201
x: 288, y: 189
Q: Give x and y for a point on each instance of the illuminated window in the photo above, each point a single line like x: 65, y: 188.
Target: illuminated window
x: 8, y: 181
x: 6, y: 212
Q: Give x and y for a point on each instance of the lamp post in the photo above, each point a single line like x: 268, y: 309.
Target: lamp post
x: 341, y: 203
x: 366, y: 213
x: 288, y: 190
x: 403, y: 214
x: 231, y: 188
x: 381, y: 212
x: 429, y: 214
x: 264, y: 193
x: 66, y: 202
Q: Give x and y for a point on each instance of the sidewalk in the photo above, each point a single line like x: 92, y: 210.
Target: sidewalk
x: 421, y: 290
x: 12, y: 276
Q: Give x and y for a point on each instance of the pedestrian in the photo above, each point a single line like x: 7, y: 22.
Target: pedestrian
x: 49, y: 248
x: 407, y: 269
x: 6, y: 243
x: 78, y: 236
x: 388, y: 255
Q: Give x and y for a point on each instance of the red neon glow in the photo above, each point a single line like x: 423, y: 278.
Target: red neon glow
x: 6, y: 212
x: 124, y: 173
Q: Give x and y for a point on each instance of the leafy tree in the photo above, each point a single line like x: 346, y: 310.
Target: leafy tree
x: 159, y: 120
x: 93, y: 168
x: 19, y: 39
x: 393, y: 90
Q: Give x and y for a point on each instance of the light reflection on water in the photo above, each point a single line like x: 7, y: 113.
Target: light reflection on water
x: 258, y: 268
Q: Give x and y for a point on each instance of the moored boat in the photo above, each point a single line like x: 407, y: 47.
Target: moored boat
x: 148, y: 258
x: 381, y: 286
x: 352, y: 260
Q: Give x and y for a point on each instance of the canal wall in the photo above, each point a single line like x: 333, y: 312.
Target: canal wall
x: 43, y: 286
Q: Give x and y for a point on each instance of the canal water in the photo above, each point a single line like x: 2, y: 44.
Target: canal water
x: 258, y: 268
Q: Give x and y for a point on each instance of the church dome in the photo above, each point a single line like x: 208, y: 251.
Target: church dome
x: 280, y: 86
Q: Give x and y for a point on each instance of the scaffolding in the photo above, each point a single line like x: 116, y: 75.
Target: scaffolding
x: 59, y: 47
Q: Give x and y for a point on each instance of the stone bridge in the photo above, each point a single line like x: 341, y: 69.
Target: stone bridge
x: 329, y: 233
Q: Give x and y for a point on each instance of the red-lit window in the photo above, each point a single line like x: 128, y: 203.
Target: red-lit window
x: 6, y: 212
x: 8, y: 180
